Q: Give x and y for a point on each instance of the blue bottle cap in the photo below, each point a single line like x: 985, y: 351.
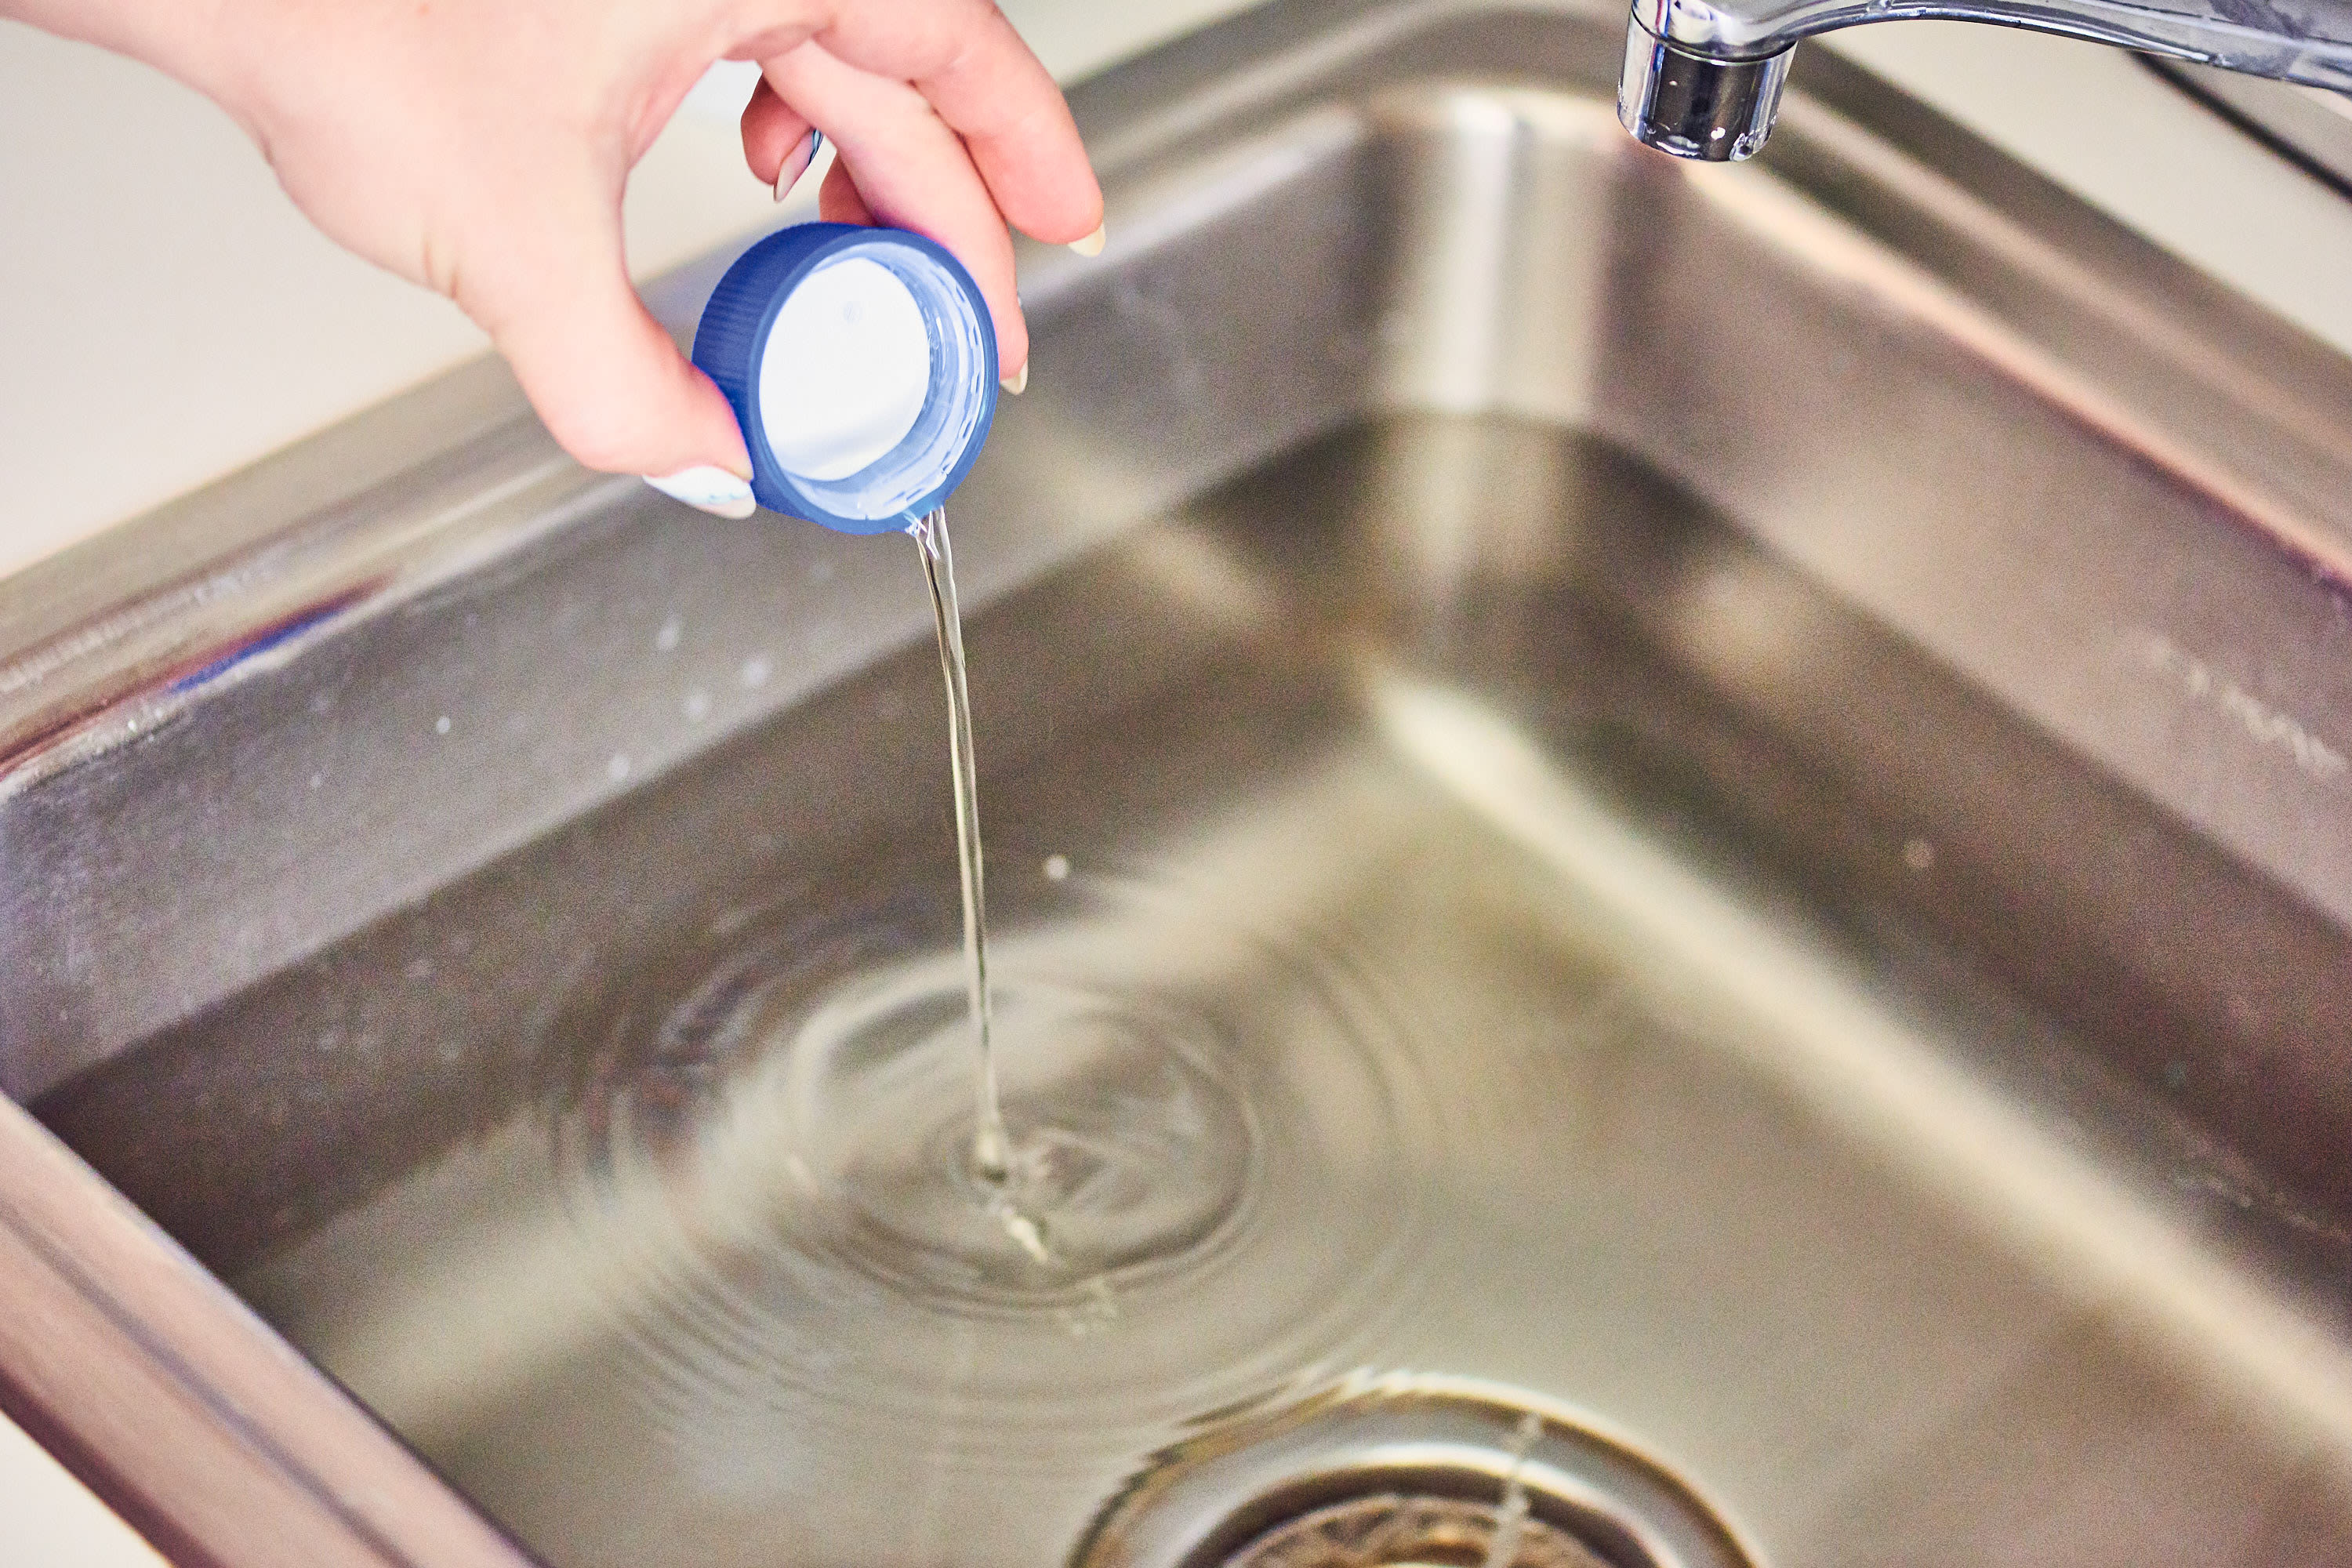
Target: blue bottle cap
x: 862, y: 366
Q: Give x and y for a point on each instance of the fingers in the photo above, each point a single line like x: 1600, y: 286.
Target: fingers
x: 946, y: 125
x: 910, y: 169
x: 966, y: 59
x: 547, y: 281
x: 837, y: 200
x: 779, y: 143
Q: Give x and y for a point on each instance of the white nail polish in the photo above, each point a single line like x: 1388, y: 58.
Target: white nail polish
x: 714, y: 491
x: 796, y: 162
x: 1090, y: 245
x: 1018, y: 382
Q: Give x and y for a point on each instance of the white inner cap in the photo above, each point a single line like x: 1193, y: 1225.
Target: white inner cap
x: 846, y: 371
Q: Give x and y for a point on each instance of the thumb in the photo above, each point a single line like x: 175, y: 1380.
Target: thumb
x: 552, y: 287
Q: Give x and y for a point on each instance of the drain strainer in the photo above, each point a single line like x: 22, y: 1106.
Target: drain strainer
x: 1408, y: 1473
x: 1388, y: 1530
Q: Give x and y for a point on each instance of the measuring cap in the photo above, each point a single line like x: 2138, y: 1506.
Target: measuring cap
x: 862, y: 366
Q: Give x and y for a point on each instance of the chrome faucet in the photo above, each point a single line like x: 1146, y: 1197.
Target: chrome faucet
x: 1702, y: 78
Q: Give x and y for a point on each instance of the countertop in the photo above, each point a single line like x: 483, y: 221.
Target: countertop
x: 168, y: 317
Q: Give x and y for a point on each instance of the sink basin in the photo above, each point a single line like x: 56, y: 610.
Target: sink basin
x: 1711, y: 801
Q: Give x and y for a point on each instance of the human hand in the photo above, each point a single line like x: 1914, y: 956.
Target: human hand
x: 479, y: 147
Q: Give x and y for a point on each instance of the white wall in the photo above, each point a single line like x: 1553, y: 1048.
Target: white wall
x: 48, y: 1520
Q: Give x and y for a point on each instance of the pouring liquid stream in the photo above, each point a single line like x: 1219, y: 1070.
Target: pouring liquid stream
x: 991, y: 1149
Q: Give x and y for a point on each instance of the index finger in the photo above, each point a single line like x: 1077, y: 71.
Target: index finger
x: 966, y: 59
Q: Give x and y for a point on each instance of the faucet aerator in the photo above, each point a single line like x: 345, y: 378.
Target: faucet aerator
x: 1685, y: 103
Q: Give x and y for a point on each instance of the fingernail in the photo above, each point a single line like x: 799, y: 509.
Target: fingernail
x: 714, y: 491
x: 1018, y: 382
x: 797, y: 160
x: 1090, y: 245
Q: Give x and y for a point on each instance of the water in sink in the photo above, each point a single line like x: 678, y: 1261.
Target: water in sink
x: 1434, y: 887
x: 761, y: 1295
x: 818, y: 1180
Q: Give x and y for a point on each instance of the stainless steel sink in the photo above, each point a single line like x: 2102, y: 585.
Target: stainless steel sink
x: 1763, y: 748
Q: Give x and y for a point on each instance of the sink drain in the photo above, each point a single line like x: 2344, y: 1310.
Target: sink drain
x: 1408, y: 1473
x: 1386, y: 1530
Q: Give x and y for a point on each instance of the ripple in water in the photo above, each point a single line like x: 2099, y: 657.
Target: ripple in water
x: 1127, y: 1146
x: 775, y: 1163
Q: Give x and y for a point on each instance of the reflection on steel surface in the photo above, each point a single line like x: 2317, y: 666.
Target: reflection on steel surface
x: 1750, y: 747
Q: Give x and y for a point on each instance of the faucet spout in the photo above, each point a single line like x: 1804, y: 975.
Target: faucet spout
x: 1702, y: 78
